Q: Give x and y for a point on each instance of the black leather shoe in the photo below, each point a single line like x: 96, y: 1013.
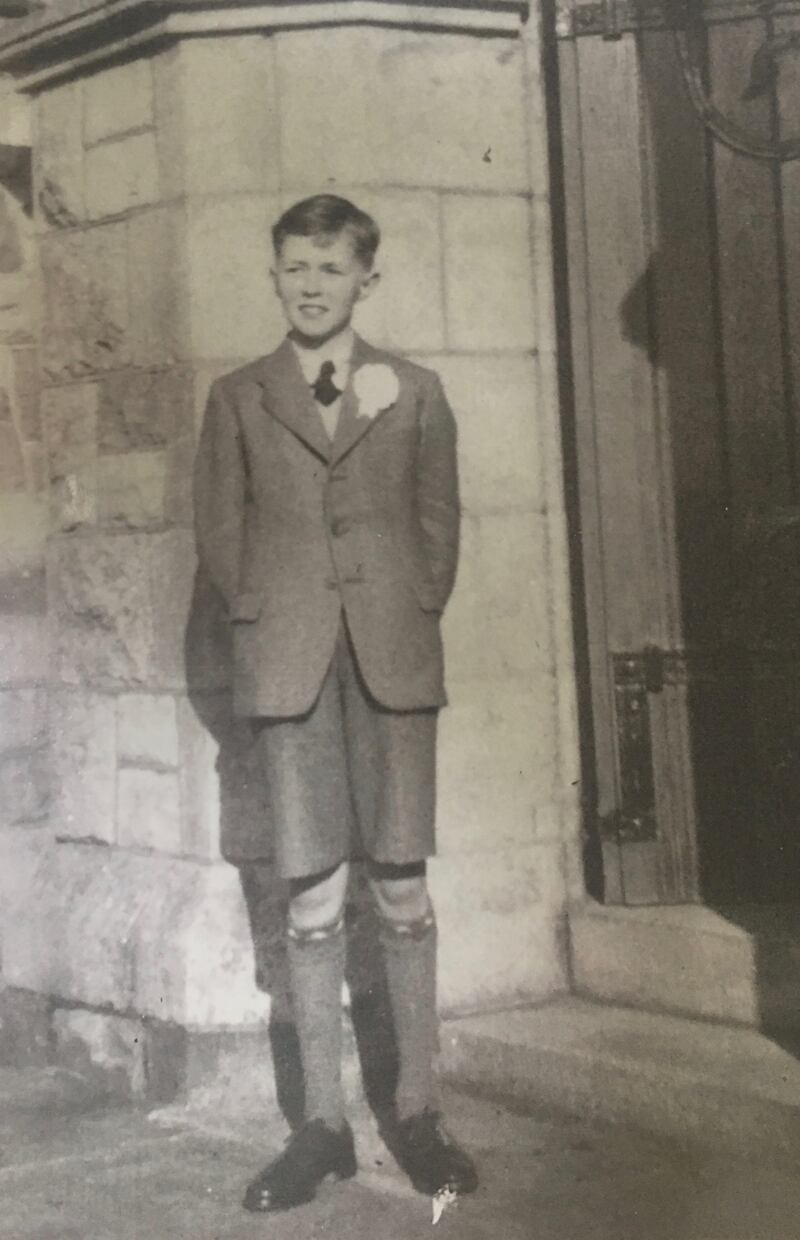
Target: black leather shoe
x: 312, y: 1154
x: 430, y: 1157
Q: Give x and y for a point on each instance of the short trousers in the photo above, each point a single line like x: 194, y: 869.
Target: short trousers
x: 350, y: 778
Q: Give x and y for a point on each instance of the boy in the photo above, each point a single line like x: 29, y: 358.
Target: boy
x: 327, y: 515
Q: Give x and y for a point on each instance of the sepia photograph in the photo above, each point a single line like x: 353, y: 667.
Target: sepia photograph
x: 399, y: 619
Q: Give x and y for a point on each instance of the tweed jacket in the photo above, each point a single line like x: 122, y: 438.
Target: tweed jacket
x: 294, y: 529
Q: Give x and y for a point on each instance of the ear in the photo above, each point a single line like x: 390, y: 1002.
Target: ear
x: 273, y: 275
x: 368, y: 285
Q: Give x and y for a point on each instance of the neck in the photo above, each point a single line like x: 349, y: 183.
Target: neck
x: 318, y: 342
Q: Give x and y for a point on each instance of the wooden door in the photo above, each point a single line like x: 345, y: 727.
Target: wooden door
x: 683, y: 261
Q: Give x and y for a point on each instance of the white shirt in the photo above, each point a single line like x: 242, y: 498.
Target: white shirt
x: 337, y: 350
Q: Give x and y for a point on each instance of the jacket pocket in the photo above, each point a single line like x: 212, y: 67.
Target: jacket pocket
x: 245, y: 608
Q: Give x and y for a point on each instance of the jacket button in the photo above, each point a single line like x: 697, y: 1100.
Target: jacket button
x: 339, y: 526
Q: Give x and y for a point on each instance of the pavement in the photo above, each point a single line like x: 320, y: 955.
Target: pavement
x: 76, y: 1166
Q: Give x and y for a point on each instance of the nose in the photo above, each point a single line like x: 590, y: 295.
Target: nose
x: 311, y: 284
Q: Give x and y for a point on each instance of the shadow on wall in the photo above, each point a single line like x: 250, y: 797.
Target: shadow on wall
x: 246, y: 842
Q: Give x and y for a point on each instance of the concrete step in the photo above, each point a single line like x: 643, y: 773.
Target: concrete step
x: 688, y: 1079
x: 740, y: 965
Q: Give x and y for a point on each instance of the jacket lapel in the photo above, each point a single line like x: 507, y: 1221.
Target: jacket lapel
x: 351, y: 426
x: 287, y: 396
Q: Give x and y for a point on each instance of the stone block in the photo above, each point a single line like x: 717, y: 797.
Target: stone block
x: 58, y: 156
x: 497, y: 625
x: 12, y: 462
x: 24, y: 786
x: 71, y: 422
x: 84, y: 765
x: 26, y: 391
x: 494, y: 400
x: 234, y: 310
x: 148, y: 810
x: 116, y: 624
x: 23, y: 718
x: 25, y: 1027
x: 23, y: 647
x: 200, y: 746
x: 102, y: 1047
x: 514, y: 950
x: 85, y: 301
x: 453, y: 111
x: 141, y: 409
x: 406, y: 310
x: 494, y: 769
x: 163, y: 937
x: 23, y: 520
x: 147, y: 731
x: 117, y: 99
x: 217, y: 116
x: 488, y: 273
x: 121, y: 175
x: 159, y: 327
x: 131, y: 489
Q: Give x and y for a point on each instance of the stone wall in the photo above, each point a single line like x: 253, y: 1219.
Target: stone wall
x: 24, y: 782
x: 155, y: 185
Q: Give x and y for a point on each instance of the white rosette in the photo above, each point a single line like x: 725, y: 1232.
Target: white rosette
x: 376, y: 387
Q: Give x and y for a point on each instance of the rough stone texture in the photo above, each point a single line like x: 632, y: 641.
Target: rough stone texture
x: 132, y: 489
x: 23, y: 718
x: 158, y: 328
x: 12, y: 462
x: 233, y: 308
x: 117, y: 99
x: 26, y: 391
x: 84, y: 765
x: 121, y: 175
x: 147, y: 729
x: 494, y: 399
x: 23, y: 647
x: 205, y: 147
x: 58, y: 156
x: 406, y: 310
x: 496, y: 625
x: 25, y: 1024
x: 70, y: 417
x: 421, y: 110
x: 511, y: 948
x: 200, y: 733
x: 24, y: 786
x: 494, y: 755
x: 99, y: 1045
x: 160, y: 936
x: 116, y: 624
x: 488, y: 277
x: 85, y: 301
x: 144, y: 408
x: 23, y: 520
x: 148, y: 810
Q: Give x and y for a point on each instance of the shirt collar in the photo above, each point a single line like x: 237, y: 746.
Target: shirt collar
x: 337, y: 350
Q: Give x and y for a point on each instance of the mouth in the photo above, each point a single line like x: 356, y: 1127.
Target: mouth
x: 312, y: 311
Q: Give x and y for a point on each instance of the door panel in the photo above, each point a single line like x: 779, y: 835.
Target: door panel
x: 684, y: 258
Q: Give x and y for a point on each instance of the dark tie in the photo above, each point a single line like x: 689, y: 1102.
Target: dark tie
x: 323, y: 387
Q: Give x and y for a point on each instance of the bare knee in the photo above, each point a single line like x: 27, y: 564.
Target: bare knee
x: 317, y: 903
x: 402, y: 901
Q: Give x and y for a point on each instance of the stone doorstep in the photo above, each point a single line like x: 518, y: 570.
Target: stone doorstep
x: 740, y: 965
x: 693, y: 1081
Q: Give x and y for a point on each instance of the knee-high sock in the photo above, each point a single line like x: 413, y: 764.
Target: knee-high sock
x: 410, y: 956
x: 316, y: 971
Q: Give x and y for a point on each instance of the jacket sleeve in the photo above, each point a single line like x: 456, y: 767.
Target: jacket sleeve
x: 437, y: 491
x: 219, y: 494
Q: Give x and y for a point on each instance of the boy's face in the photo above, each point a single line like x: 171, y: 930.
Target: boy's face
x: 319, y: 280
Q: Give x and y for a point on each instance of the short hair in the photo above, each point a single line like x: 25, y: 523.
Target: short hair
x: 326, y: 215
